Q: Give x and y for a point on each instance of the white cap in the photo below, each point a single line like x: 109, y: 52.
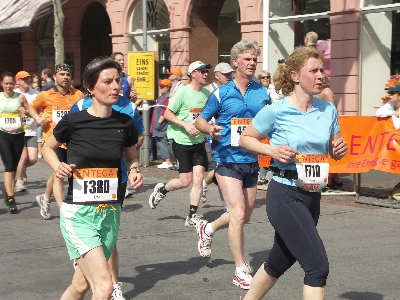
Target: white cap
x: 197, y: 65
x: 223, y: 68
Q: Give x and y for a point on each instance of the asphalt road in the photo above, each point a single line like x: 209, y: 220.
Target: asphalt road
x: 159, y: 257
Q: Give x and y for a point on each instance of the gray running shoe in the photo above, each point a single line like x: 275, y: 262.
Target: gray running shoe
x: 117, y: 293
x: 44, y: 207
x: 191, y: 222
x: 203, y: 197
x: 19, y: 186
x: 156, y: 196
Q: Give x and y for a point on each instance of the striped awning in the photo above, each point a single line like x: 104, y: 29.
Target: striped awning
x: 18, y: 15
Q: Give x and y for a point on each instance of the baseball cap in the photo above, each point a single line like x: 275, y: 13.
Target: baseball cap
x: 223, y: 68
x: 175, y: 71
x: 22, y: 74
x: 197, y: 65
x: 165, y: 82
x: 395, y: 88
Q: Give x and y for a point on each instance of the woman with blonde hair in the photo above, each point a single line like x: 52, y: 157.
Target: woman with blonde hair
x: 300, y: 127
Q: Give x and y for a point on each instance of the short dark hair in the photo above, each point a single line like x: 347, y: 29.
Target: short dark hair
x: 114, y: 54
x: 6, y: 74
x: 93, y: 69
x: 47, y: 72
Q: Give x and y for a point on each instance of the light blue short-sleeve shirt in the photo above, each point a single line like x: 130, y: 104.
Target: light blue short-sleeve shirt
x: 308, y: 133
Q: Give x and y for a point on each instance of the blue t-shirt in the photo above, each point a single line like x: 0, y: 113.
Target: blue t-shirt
x: 125, y: 87
x: 227, y: 102
x: 308, y: 133
x: 124, y: 106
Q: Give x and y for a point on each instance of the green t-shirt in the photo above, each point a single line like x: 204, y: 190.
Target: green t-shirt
x: 9, y: 105
x: 187, y: 105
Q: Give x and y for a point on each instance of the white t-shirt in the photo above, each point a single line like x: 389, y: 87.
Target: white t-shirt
x: 30, y: 96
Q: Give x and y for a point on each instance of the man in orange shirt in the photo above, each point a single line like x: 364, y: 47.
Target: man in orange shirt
x: 55, y: 103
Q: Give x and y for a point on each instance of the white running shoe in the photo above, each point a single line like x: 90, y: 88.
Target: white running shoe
x: 191, y: 222
x: 243, y: 279
x: 117, y: 293
x: 156, y: 196
x: 204, y: 244
x: 44, y: 207
x: 19, y: 186
x: 165, y: 165
x: 128, y: 194
x: 203, y: 197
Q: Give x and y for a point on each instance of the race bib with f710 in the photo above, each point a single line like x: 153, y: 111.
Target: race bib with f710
x: 95, y: 185
x: 312, y: 171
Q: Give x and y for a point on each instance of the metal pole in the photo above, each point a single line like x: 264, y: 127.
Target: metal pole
x: 265, y: 34
x: 145, y: 157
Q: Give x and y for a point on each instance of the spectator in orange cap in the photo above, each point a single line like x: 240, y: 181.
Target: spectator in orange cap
x: 159, y: 124
x: 175, y: 77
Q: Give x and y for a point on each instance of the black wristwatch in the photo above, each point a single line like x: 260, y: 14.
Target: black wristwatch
x: 136, y: 168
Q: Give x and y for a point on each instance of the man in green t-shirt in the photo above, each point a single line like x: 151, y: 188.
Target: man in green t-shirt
x: 187, y: 142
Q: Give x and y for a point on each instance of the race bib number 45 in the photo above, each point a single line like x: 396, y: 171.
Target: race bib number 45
x: 312, y: 171
x: 193, y: 114
x: 238, y: 125
x: 95, y: 185
x: 59, y: 112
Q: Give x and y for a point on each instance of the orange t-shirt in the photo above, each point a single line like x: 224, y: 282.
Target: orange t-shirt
x: 50, y: 100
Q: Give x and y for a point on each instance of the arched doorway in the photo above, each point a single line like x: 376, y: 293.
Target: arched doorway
x: 95, y: 34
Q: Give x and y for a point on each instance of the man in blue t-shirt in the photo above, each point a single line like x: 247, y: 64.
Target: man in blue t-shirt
x: 235, y: 103
x: 123, y: 105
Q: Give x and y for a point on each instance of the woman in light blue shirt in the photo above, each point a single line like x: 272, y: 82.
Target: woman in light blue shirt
x: 302, y: 131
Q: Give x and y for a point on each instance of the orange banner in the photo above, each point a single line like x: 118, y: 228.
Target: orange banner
x: 374, y: 144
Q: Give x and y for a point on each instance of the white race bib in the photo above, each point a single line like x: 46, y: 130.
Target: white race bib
x: 58, y: 112
x: 193, y: 114
x: 312, y: 171
x: 11, y: 122
x: 27, y: 121
x: 95, y: 185
x: 238, y: 125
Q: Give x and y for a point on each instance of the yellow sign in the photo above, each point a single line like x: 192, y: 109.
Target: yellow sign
x: 141, y: 68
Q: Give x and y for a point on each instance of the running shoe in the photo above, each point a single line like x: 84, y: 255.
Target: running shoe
x: 117, y: 293
x: 165, y: 165
x: 44, y: 207
x: 12, y: 206
x: 243, y: 279
x: 156, y: 196
x: 128, y: 194
x: 204, y: 244
x: 191, y: 222
x: 19, y: 186
x: 203, y: 197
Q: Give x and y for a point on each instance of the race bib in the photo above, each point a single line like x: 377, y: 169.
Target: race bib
x: 312, y: 171
x: 11, y: 122
x: 59, y: 112
x: 95, y: 185
x: 238, y: 125
x: 27, y: 121
x: 193, y: 114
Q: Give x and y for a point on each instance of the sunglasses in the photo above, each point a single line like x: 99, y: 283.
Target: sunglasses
x: 203, y: 71
x: 265, y: 77
x: 392, y: 93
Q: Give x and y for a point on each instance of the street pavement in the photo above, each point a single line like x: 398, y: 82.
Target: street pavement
x: 159, y: 257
